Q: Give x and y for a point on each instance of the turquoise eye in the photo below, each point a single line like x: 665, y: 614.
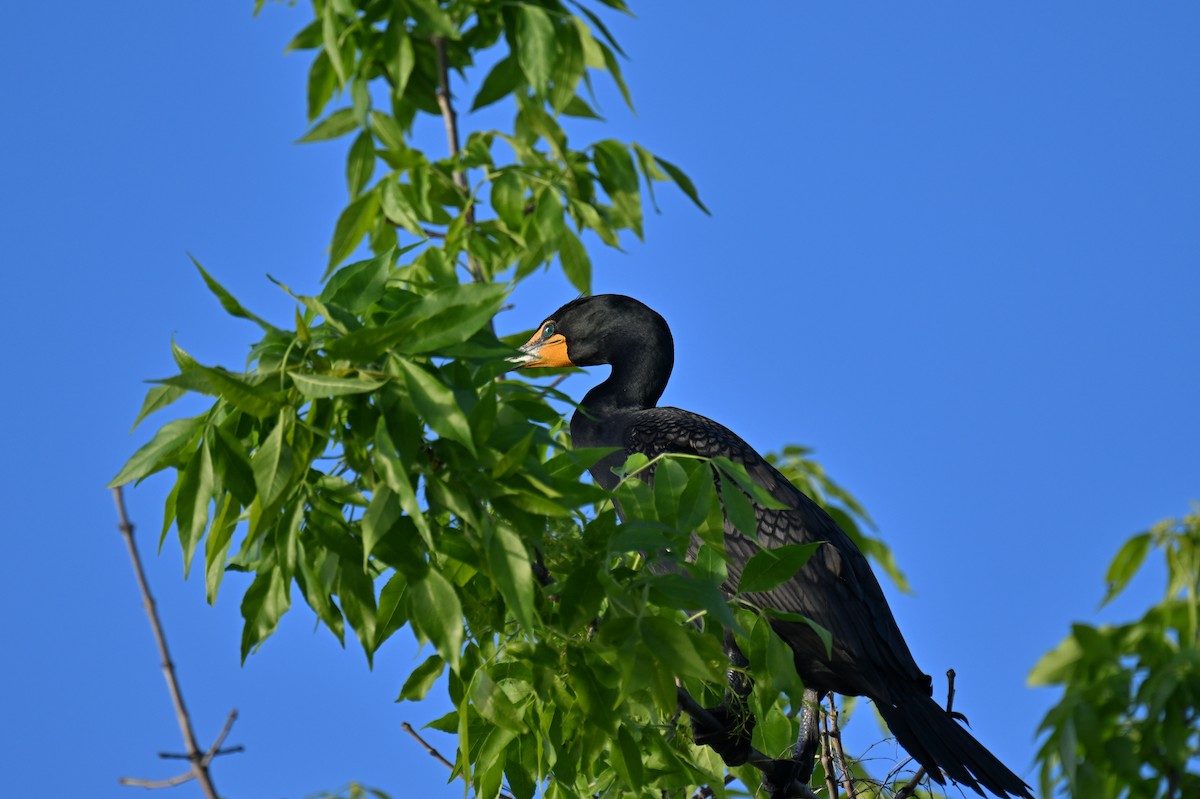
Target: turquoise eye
x: 548, y: 330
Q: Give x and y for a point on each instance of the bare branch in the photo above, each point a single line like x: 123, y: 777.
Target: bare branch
x: 436, y: 755
x: 451, y: 119
x: 215, y: 750
x: 199, y: 762
x: 827, y: 760
x: 171, y: 783
x: 835, y: 740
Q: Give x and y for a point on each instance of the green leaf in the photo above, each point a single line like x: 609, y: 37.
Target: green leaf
x: 451, y: 315
x: 360, y: 163
x: 618, y: 176
x: 272, y: 463
x: 337, y: 124
x: 396, y: 478
x: 390, y: 615
x: 358, y: 286
x: 575, y: 262
x: 436, y: 404
x: 503, y: 79
x: 157, y: 453
x: 773, y: 567
x: 675, y: 590
x: 435, y: 609
x: 252, y: 398
x: 329, y: 39
x: 1057, y: 665
x: 508, y: 198
x: 759, y: 495
x: 1128, y: 560
x: 157, y: 398
x: 352, y: 225
x: 738, y: 509
x: 397, y: 207
x: 535, y: 46
x: 697, y: 497
x: 676, y: 649
x: 670, y: 479
x: 578, y: 107
x: 493, y: 704
x: 422, y: 679
x: 683, y: 182
x: 389, y: 132
x: 600, y: 26
x: 428, y: 14
x: 405, y: 59
x: 191, y: 503
x: 321, y: 83
x: 264, y: 603
x: 628, y: 758
x: 512, y: 573
x: 231, y: 305
x: 216, y: 546
x: 614, y: 69
x: 326, y: 385
x: 822, y: 633
x: 381, y: 516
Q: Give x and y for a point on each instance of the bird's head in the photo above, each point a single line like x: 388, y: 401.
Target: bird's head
x: 596, y: 330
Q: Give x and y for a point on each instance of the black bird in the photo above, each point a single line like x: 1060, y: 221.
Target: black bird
x: 836, y: 588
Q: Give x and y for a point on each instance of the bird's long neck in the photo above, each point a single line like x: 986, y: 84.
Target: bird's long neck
x: 636, y: 383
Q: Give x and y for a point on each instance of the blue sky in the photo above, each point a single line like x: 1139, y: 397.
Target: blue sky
x: 954, y: 247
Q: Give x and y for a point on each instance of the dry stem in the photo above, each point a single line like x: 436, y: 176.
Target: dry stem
x: 199, y: 760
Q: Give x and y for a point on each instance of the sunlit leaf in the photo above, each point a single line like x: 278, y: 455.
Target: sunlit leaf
x: 769, y: 568
x: 536, y: 46
x: 436, y: 404
x: 435, y: 609
x: 337, y: 124
x: 155, y: 454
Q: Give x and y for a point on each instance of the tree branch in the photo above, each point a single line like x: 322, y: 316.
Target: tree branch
x: 834, y: 736
x: 452, y: 142
x: 198, y: 759
x: 436, y: 755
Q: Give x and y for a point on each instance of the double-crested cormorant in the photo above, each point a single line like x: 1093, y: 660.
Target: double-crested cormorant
x: 836, y: 588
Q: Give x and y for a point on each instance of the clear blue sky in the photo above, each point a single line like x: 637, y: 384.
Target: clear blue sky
x: 954, y: 246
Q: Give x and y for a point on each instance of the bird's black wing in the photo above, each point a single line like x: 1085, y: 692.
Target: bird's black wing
x: 836, y: 588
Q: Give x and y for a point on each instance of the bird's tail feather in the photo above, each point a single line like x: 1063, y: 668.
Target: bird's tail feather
x: 941, y: 744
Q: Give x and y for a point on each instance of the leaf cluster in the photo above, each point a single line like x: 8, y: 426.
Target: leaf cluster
x: 1128, y: 722
x: 393, y: 60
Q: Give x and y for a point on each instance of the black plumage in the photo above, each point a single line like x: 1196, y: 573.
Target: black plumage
x: 836, y: 588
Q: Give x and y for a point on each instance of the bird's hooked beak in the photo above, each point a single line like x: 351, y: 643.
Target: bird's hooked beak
x: 542, y: 351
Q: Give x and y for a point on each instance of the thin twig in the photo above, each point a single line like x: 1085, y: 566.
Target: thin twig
x: 199, y: 763
x: 757, y: 759
x: 835, y: 739
x: 179, y: 779
x: 436, y: 755
x: 451, y: 119
x: 215, y: 749
x: 827, y: 759
x: 910, y: 787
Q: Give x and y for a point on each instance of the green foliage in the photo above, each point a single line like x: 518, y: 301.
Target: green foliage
x: 1128, y: 722
x: 373, y: 460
